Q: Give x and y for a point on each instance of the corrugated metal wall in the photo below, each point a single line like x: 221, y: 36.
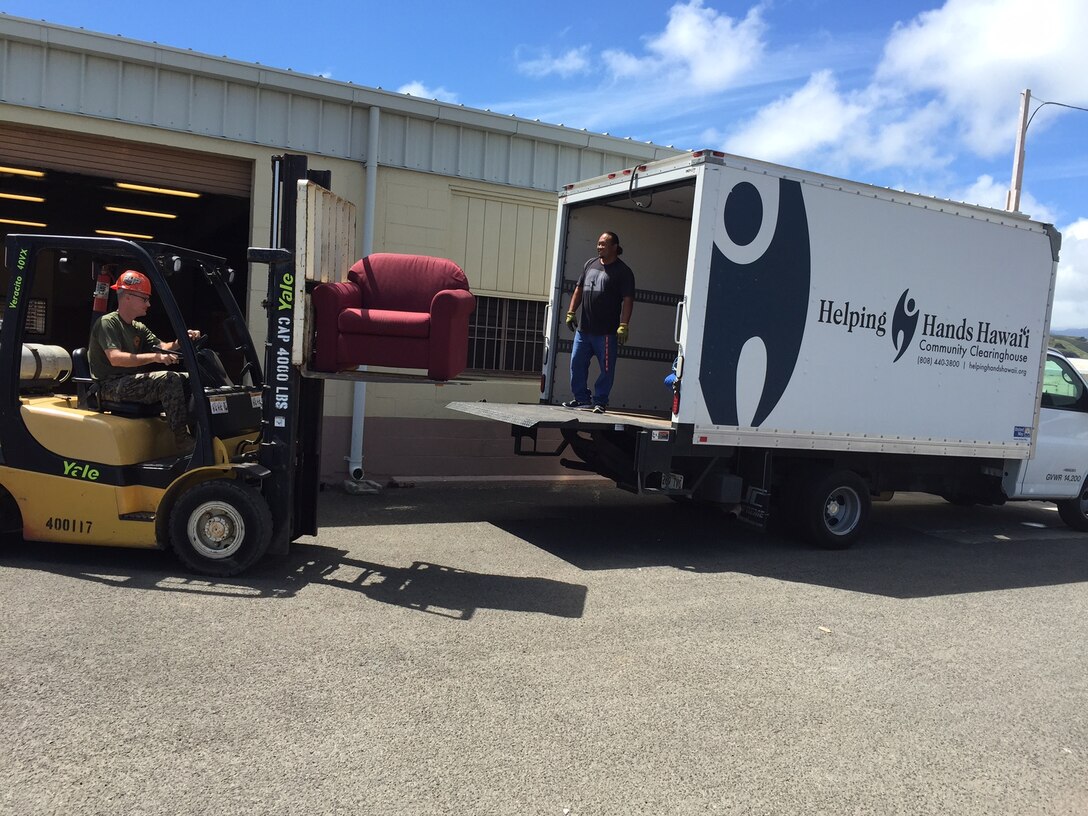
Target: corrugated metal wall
x: 68, y: 70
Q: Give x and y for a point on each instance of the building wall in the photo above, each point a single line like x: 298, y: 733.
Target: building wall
x: 473, y: 186
x: 503, y: 240
x: 501, y: 236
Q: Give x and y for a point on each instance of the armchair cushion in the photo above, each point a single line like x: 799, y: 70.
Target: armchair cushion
x: 383, y: 321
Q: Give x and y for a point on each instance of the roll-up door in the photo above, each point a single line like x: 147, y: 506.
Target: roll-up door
x: 138, y: 162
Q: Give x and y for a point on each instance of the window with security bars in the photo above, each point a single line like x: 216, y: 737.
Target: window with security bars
x: 506, y: 335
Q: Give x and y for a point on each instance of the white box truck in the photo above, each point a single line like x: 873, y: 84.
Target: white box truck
x: 833, y: 342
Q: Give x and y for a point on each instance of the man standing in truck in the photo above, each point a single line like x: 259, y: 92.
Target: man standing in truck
x: 606, y: 294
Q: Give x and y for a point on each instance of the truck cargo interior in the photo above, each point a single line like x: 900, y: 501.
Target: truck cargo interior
x: 654, y: 227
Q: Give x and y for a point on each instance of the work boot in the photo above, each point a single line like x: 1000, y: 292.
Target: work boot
x: 184, y: 441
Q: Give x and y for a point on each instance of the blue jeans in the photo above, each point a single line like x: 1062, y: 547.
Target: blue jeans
x: 586, y: 347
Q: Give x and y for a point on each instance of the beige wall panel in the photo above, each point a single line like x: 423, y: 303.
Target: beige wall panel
x: 543, y: 240
x: 525, y: 248
x: 473, y: 259
x: 503, y: 244
x: 505, y: 261
x: 489, y: 269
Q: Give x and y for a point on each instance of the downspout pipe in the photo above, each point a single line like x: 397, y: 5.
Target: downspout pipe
x: 358, y: 482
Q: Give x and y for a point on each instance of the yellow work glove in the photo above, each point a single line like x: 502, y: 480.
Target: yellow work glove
x: 621, y: 334
x: 572, y: 321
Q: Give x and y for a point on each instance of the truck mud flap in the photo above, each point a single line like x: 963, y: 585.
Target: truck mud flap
x: 755, y: 509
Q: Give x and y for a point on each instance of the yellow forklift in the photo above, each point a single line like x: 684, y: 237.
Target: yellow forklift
x: 76, y: 468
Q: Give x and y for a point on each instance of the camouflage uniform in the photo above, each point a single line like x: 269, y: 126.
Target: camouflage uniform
x: 117, y: 384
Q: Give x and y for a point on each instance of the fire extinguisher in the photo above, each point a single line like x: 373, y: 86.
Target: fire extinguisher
x: 102, y: 283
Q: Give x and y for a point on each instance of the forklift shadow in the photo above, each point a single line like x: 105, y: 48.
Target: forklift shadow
x: 423, y: 587
x: 431, y: 588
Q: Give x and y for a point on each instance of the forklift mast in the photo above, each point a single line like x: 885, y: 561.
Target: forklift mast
x: 293, y: 405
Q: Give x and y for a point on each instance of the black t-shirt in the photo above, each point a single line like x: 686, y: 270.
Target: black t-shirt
x: 603, y: 291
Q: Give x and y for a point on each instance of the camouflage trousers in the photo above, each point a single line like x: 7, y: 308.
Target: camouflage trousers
x: 167, y: 387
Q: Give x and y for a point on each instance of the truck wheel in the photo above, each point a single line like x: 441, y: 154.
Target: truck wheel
x: 834, y: 509
x: 220, y: 527
x: 1074, y: 512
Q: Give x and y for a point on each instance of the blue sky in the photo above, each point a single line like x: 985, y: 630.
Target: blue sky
x: 922, y: 96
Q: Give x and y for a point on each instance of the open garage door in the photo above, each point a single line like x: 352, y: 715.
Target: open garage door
x: 150, y: 164
x: 67, y: 183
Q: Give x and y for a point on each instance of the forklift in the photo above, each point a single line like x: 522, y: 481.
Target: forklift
x: 76, y: 468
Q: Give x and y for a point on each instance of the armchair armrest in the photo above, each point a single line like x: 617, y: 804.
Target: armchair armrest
x: 333, y: 298
x: 451, y: 304
x: 328, y: 301
x: 450, y: 310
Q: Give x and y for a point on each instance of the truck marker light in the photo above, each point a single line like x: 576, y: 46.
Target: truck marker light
x: 676, y: 401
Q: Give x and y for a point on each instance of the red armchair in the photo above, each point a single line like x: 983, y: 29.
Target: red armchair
x: 404, y: 311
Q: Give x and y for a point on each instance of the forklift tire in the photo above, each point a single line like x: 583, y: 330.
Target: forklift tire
x: 11, y: 520
x: 220, y: 527
x: 833, y: 509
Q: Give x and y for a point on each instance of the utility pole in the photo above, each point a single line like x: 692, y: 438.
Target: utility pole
x: 1012, y: 202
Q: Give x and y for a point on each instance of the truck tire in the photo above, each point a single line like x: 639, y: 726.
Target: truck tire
x: 1074, y: 512
x: 220, y: 527
x: 833, y: 509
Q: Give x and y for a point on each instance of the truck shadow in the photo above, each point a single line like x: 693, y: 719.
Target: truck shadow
x: 916, y: 546
x: 960, y: 550
x: 434, y: 589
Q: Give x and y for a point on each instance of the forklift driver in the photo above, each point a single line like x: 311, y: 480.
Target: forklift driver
x: 121, y: 348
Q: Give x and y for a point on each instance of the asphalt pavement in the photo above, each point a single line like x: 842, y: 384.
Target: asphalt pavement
x: 556, y: 648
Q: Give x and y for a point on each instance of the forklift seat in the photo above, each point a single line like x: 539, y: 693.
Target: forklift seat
x: 87, y: 393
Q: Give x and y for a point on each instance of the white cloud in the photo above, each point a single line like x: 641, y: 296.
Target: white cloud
x: 989, y: 192
x: 793, y: 127
x: 569, y: 63
x: 937, y: 106
x: 1071, y: 289
x: 701, y: 50
x: 948, y: 80
x: 977, y: 55
x: 699, y: 53
x: 425, y: 92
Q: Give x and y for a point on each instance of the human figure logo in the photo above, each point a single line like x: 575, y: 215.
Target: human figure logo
x: 904, y: 323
